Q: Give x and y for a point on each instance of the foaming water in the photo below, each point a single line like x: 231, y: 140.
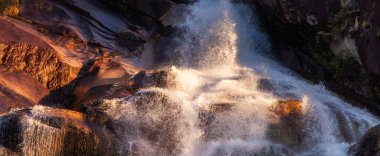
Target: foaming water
x: 228, y: 98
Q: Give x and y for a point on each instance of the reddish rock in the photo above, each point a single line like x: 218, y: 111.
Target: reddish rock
x: 47, y: 131
x: 332, y: 41
x: 150, y: 119
x: 287, y: 124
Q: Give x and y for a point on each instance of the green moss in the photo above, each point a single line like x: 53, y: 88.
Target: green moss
x: 341, y: 22
x: 342, y: 69
x: 43, y: 30
x: 323, y: 34
x: 346, y: 69
x: 116, y: 53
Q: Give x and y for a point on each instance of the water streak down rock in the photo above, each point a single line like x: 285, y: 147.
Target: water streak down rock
x: 46, y: 131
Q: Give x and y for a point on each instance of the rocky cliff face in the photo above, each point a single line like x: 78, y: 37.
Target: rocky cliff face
x: 75, y: 52
x: 46, y: 131
x: 40, y: 63
x: 71, y: 54
x: 333, y: 41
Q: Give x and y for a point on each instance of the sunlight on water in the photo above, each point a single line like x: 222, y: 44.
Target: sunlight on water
x: 228, y: 98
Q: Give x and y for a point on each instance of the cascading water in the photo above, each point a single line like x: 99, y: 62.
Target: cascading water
x: 229, y: 98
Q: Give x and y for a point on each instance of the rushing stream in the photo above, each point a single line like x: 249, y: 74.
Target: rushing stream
x: 224, y: 95
x: 225, y: 98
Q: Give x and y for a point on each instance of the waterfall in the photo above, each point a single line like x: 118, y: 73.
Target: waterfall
x: 230, y: 97
x: 226, y: 95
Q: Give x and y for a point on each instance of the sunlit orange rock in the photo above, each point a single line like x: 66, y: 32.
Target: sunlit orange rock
x: 286, y: 125
x: 288, y: 108
x: 6, y: 152
x: 49, y: 131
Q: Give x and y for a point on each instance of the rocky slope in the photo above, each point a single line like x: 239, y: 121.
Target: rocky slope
x: 70, y: 54
x: 47, y: 131
x: 334, y: 41
x: 39, y: 63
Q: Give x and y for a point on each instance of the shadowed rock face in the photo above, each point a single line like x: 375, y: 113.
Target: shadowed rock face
x: 110, y: 81
x: 146, y: 12
x: 369, y: 145
x: 150, y: 122
x: 287, y: 125
x: 334, y: 41
x: 46, y: 131
x: 319, y: 14
x: 269, y: 150
x: 368, y: 39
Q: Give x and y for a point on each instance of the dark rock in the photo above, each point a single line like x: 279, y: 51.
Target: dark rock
x: 130, y: 39
x: 212, y: 116
x: 42, y: 64
x: 304, y: 33
x: 369, y: 144
x: 287, y: 124
x: 160, y: 79
x: 146, y: 118
x: 47, y: 131
x: 367, y: 42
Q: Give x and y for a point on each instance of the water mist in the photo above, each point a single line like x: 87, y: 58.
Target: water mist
x: 226, y: 96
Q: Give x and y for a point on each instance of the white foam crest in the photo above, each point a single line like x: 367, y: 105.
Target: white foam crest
x: 225, y: 86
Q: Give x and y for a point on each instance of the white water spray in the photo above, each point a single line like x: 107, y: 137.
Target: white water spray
x: 225, y: 98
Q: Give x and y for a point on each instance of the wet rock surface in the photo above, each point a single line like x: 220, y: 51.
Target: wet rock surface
x: 369, y: 144
x: 10, y: 100
x: 287, y: 127
x: 43, y: 130
x: 151, y: 126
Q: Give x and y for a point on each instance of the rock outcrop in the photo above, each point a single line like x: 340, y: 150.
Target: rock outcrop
x: 47, y: 131
x: 42, y: 64
x: 287, y: 124
x: 150, y: 121
x: 117, y: 84
x: 369, y: 144
x: 333, y: 41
